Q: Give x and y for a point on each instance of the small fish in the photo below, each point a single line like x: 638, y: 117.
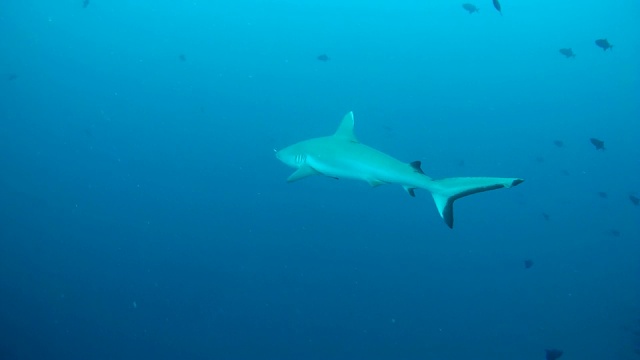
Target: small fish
x: 567, y: 52
x: 85, y: 3
x: 599, y: 144
x: 528, y: 264
x: 496, y: 4
x: 558, y: 143
x: 182, y: 57
x: 604, y: 44
x: 323, y: 58
x: 11, y: 77
x: 546, y: 216
x: 614, y: 233
x: 470, y: 8
x: 565, y: 172
x: 634, y: 200
x: 603, y: 194
x: 553, y: 354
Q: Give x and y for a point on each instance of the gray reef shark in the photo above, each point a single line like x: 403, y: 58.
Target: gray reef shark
x: 342, y: 156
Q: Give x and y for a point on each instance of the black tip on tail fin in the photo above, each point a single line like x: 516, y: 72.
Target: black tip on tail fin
x: 447, y: 214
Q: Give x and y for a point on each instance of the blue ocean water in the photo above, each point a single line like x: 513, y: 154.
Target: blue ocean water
x: 143, y: 214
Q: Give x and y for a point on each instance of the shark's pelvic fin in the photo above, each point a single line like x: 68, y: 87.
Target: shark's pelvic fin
x: 450, y: 189
x: 345, y: 130
x: 303, y: 172
x: 376, y: 182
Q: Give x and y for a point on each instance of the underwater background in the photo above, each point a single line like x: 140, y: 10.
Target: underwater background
x: 143, y: 214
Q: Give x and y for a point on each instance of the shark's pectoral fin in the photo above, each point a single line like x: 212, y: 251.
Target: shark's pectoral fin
x: 303, y: 172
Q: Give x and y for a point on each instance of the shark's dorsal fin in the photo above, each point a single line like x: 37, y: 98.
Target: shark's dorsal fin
x: 345, y: 130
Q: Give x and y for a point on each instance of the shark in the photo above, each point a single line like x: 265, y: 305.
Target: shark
x: 342, y: 156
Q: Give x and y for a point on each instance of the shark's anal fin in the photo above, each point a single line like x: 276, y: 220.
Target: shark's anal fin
x: 303, y: 172
x: 410, y: 190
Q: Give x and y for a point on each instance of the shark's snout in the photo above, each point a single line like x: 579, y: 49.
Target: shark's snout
x: 292, y: 156
x: 282, y: 155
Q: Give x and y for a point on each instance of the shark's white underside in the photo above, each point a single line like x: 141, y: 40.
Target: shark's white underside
x: 342, y: 156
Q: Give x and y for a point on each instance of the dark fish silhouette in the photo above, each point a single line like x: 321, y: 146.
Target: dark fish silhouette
x: 567, y: 52
x: 603, y: 194
x: 528, y: 264
x: 604, y: 44
x: 553, y: 354
x: 558, y: 143
x: 85, y: 3
x: 599, y: 144
x: 539, y: 159
x: 566, y: 172
x: 470, y: 8
x: 634, y: 200
x: 496, y: 4
x: 182, y: 57
x: 546, y: 216
x: 323, y: 57
x: 614, y: 233
x: 11, y: 77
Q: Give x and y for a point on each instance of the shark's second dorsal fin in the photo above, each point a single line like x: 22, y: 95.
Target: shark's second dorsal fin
x: 416, y: 166
x: 345, y: 130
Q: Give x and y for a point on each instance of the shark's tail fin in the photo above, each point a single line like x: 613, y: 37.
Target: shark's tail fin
x: 446, y: 191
